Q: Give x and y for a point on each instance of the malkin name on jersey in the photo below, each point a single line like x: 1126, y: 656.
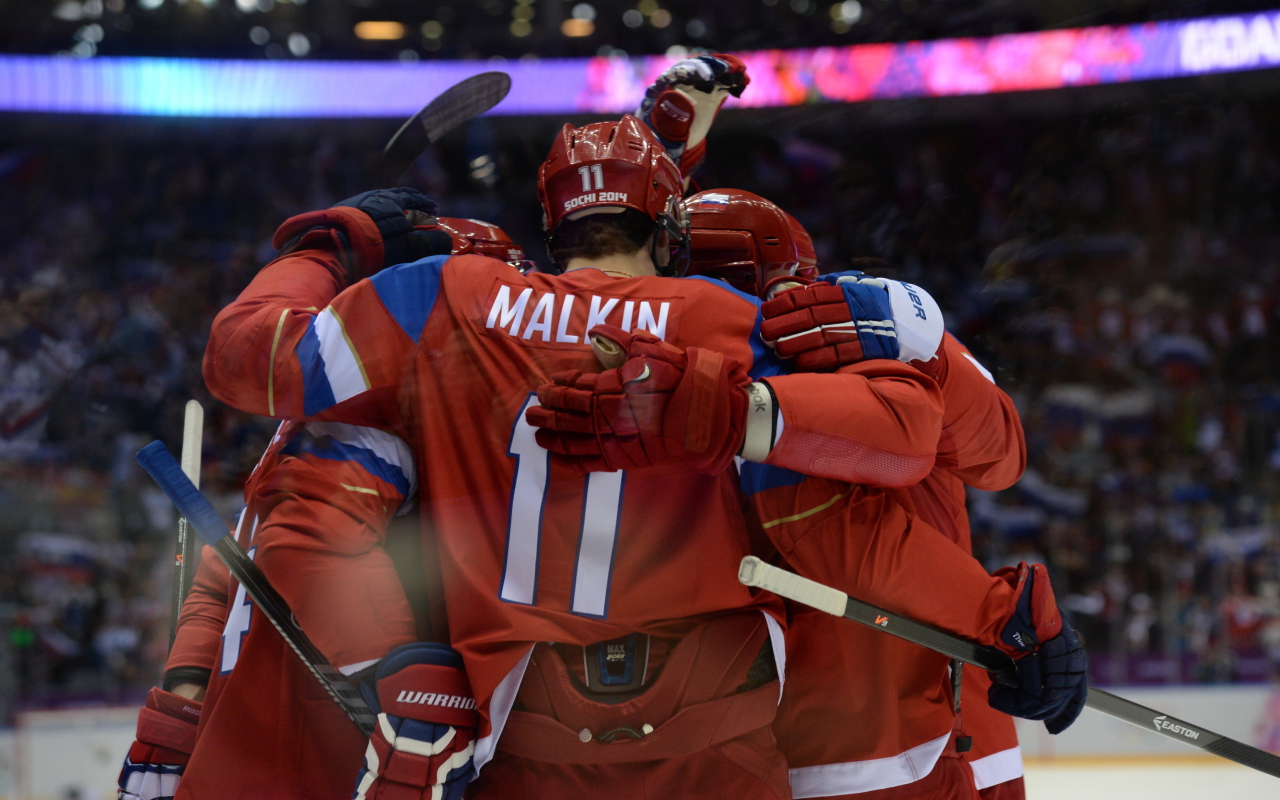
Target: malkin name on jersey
x: 564, y: 318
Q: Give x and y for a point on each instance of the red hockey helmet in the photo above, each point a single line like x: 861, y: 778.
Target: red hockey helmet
x: 474, y: 236
x: 746, y: 240
x: 610, y: 165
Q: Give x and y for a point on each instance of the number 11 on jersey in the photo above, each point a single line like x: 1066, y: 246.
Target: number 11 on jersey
x: 598, y: 532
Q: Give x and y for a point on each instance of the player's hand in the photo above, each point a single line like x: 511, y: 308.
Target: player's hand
x: 373, y: 230
x: 664, y: 405
x: 425, y: 741
x: 165, y: 738
x: 847, y: 317
x: 683, y: 102
x: 1052, y: 666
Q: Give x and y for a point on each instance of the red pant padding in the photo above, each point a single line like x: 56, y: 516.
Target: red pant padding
x: 706, y: 738
x: 747, y: 768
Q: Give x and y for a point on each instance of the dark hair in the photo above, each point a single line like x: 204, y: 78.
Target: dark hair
x: 601, y: 235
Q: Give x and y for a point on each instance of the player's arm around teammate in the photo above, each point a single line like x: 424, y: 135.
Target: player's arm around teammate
x: 320, y: 254
x: 981, y: 445
x: 375, y: 325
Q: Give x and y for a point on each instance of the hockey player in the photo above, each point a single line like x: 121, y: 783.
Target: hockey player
x: 733, y: 236
x: 318, y: 504
x: 867, y: 677
x: 911, y: 754
x: 533, y: 552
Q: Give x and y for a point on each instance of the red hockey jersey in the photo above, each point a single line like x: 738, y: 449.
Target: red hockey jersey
x: 863, y: 711
x: 318, y: 504
x: 449, y: 350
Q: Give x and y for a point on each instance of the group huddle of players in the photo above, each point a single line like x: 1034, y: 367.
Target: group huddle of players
x: 593, y: 453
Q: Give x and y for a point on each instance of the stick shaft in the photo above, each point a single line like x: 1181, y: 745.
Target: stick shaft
x: 206, y: 522
x: 754, y: 572
x: 184, y: 555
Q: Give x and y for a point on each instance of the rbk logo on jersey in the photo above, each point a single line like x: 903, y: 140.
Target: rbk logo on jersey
x: 564, y: 318
x: 882, y: 621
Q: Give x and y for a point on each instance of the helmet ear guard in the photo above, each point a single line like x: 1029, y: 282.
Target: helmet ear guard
x: 674, y: 222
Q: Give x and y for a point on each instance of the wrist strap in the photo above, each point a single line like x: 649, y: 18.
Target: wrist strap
x: 762, y: 422
x: 177, y: 675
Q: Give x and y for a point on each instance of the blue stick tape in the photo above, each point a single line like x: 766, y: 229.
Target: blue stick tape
x: 193, y: 505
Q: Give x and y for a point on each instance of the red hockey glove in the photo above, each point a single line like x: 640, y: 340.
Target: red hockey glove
x: 424, y: 744
x: 683, y: 102
x: 847, y: 317
x: 1052, y: 666
x: 165, y: 738
x: 664, y: 405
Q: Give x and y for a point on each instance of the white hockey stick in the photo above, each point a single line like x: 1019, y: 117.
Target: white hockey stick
x: 184, y: 557
x: 754, y: 572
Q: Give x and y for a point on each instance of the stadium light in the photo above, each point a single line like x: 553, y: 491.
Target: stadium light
x: 575, y: 27
x: 299, y: 44
x: 848, y: 12
x: 379, y: 30
x: 69, y: 11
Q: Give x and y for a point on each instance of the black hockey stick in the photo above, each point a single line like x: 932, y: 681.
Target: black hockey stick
x: 754, y: 572
x: 206, y: 521
x: 465, y: 100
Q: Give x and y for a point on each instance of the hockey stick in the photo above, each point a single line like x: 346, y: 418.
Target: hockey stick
x: 206, y: 522
x: 465, y: 100
x: 184, y: 557
x: 754, y: 572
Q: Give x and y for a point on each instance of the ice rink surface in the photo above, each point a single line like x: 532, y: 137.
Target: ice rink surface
x: 1146, y: 779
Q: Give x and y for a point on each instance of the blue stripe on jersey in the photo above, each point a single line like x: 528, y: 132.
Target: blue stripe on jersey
x: 756, y: 478
x: 409, y: 292
x: 765, y: 362
x: 331, y: 449
x: 317, y: 393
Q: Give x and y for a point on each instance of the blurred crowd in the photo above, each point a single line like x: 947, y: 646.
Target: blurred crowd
x: 507, y: 29
x: 1117, y: 273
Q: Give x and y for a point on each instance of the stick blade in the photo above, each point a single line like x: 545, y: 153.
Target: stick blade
x: 192, y: 434
x: 463, y: 101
